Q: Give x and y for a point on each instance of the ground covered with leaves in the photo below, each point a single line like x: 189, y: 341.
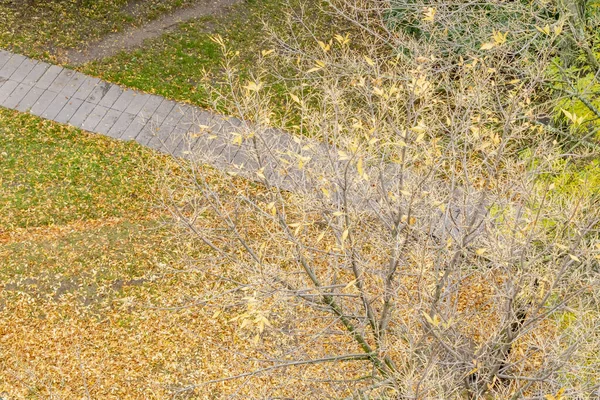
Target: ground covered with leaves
x: 83, y: 253
x: 79, y: 241
x: 99, y: 298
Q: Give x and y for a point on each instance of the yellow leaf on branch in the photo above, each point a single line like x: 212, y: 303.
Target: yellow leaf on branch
x: 369, y: 61
x: 499, y: 37
x: 253, y: 86
x: 429, y: 14
x: 545, y: 30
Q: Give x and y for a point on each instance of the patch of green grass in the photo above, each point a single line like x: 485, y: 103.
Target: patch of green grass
x: 55, y: 174
x: 174, y: 65
x: 181, y: 64
x: 77, y: 220
x: 42, y: 28
x: 80, y: 209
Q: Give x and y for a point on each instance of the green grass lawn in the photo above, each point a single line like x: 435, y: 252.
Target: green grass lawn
x: 41, y: 28
x: 175, y: 64
x: 54, y: 174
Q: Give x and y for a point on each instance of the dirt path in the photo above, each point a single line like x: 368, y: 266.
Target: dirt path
x: 135, y: 37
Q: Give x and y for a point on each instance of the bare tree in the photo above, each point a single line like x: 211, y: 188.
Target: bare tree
x: 405, y: 242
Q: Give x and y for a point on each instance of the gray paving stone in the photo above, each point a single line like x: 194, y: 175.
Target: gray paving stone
x: 176, y: 141
x: 146, y: 135
x: 42, y: 102
x: 62, y: 80
x: 94, y: 118
x: 150, y: 106
x: 30, y: 99
x: 277, y: 142
x: 55, y: 106
x: 121, y: 125
x: 16, y: 96
x: 179, y: 112
x: 23, y: 70
x: 49, y: 76
x: 134, y: 129
x: 68, y: 110
x: 210, y: 148
x: 36, y: 73
x: 240, y: 157
x: 160, y: 125
x: 4, y: 57
x: 191, y: 115
x: 11, y: 65
x: 6, y: 90
x: 124, y: 100
x: 226, y: 125
x: 162, y: 136
x: 111, y: 96
x: 76, y: 80
x: 108, y: 121
x: 82, y: 113
x: 86, y: 88
x: 173, y: 117
x: 159, y: 115
x: 98, y: 92
x: 137, y: 103
x: 188, y: 143
x: 165, y: 143
x: 208, y: 119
